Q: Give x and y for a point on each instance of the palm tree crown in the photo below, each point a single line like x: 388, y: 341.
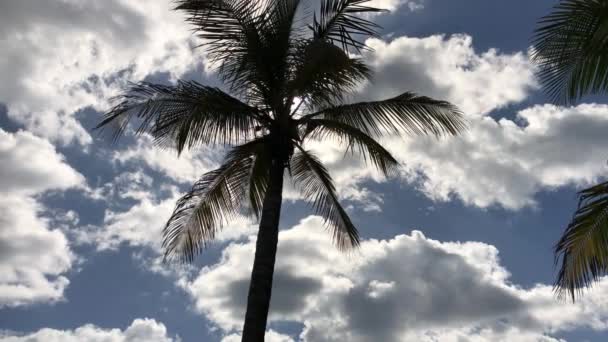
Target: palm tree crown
x: 288, y: 83
x: 571, y: 51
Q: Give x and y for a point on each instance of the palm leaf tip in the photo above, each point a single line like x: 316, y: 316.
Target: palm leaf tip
x: 583, y: 248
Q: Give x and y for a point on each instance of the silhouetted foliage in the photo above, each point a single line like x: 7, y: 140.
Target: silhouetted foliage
x: 571, y: 49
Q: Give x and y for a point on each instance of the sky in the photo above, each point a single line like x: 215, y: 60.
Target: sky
x: 456, y: 247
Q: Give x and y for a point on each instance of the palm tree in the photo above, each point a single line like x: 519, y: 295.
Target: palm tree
x: 571, y: 51
x: 288, y: 84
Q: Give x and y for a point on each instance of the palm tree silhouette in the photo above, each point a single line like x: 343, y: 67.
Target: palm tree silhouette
x: 288, y: 83
x: 571, y: 51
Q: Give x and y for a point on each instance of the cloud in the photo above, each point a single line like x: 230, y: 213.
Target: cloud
x: 448, y: 68
x: 393, y: 5
x: 185, y: 168
x: 141, y: 330
x: 31, y: 165
x: 271, y: 336
x: 140, y: 224
x: 70, y: 55
x: 33, y: 256
x: 506, y: 162
x: 408, y: 288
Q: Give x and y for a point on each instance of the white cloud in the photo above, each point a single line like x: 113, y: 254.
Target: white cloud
x: 271, y: 336
x: 128, y: 184
x: 186, y: 168
x: 408, y: 288
x: 33, y: 255
x: 141, y: 224
x: 448, y: 68
x: 70, y: 55
x: 141, y: 330
x: 507, y: 162
x: 31, y: 165
x: 393, y: 5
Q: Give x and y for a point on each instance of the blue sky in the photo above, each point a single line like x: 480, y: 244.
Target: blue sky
x: 457, y: 247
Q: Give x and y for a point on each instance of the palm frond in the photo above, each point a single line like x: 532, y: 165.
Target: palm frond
x: 583, y: 248
x: 230, y: 31
x: 316, y: 185
x: 324, y: 73
x: 213, y: 200
x: 356, y: 140
x: 571, y: 49
x: 406, y: 113
x: 185, y: 115
x: 221, y: 21
x: 340, y: 22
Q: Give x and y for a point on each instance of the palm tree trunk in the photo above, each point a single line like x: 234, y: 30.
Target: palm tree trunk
x: 260, y: 288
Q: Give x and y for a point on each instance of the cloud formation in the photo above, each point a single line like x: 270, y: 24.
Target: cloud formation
x: 506, y: 162
x: 185, y: 168
x: 394, y: 5
x: 140, y: 224
x: 70, y: 55
x: 448, y: 68
x: 408, y: 288
x: 33, y: 255
x: 271, y: 336
x: 140, y: 330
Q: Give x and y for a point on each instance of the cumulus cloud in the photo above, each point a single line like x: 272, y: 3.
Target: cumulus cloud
x: 140, y: 224
x: 185, y: 168
x: 141, y: 330
x: 408, y: 288
x: 271, y: 336
x: 31, y: 165
x: 69, y: 55
x: 448, y: 68
x: 393, y: 5
x: 33, y: 255
x: 506, y: 162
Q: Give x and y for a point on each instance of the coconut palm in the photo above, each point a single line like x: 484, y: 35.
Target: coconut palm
x: 571, y: 51
x: 288, y: 84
